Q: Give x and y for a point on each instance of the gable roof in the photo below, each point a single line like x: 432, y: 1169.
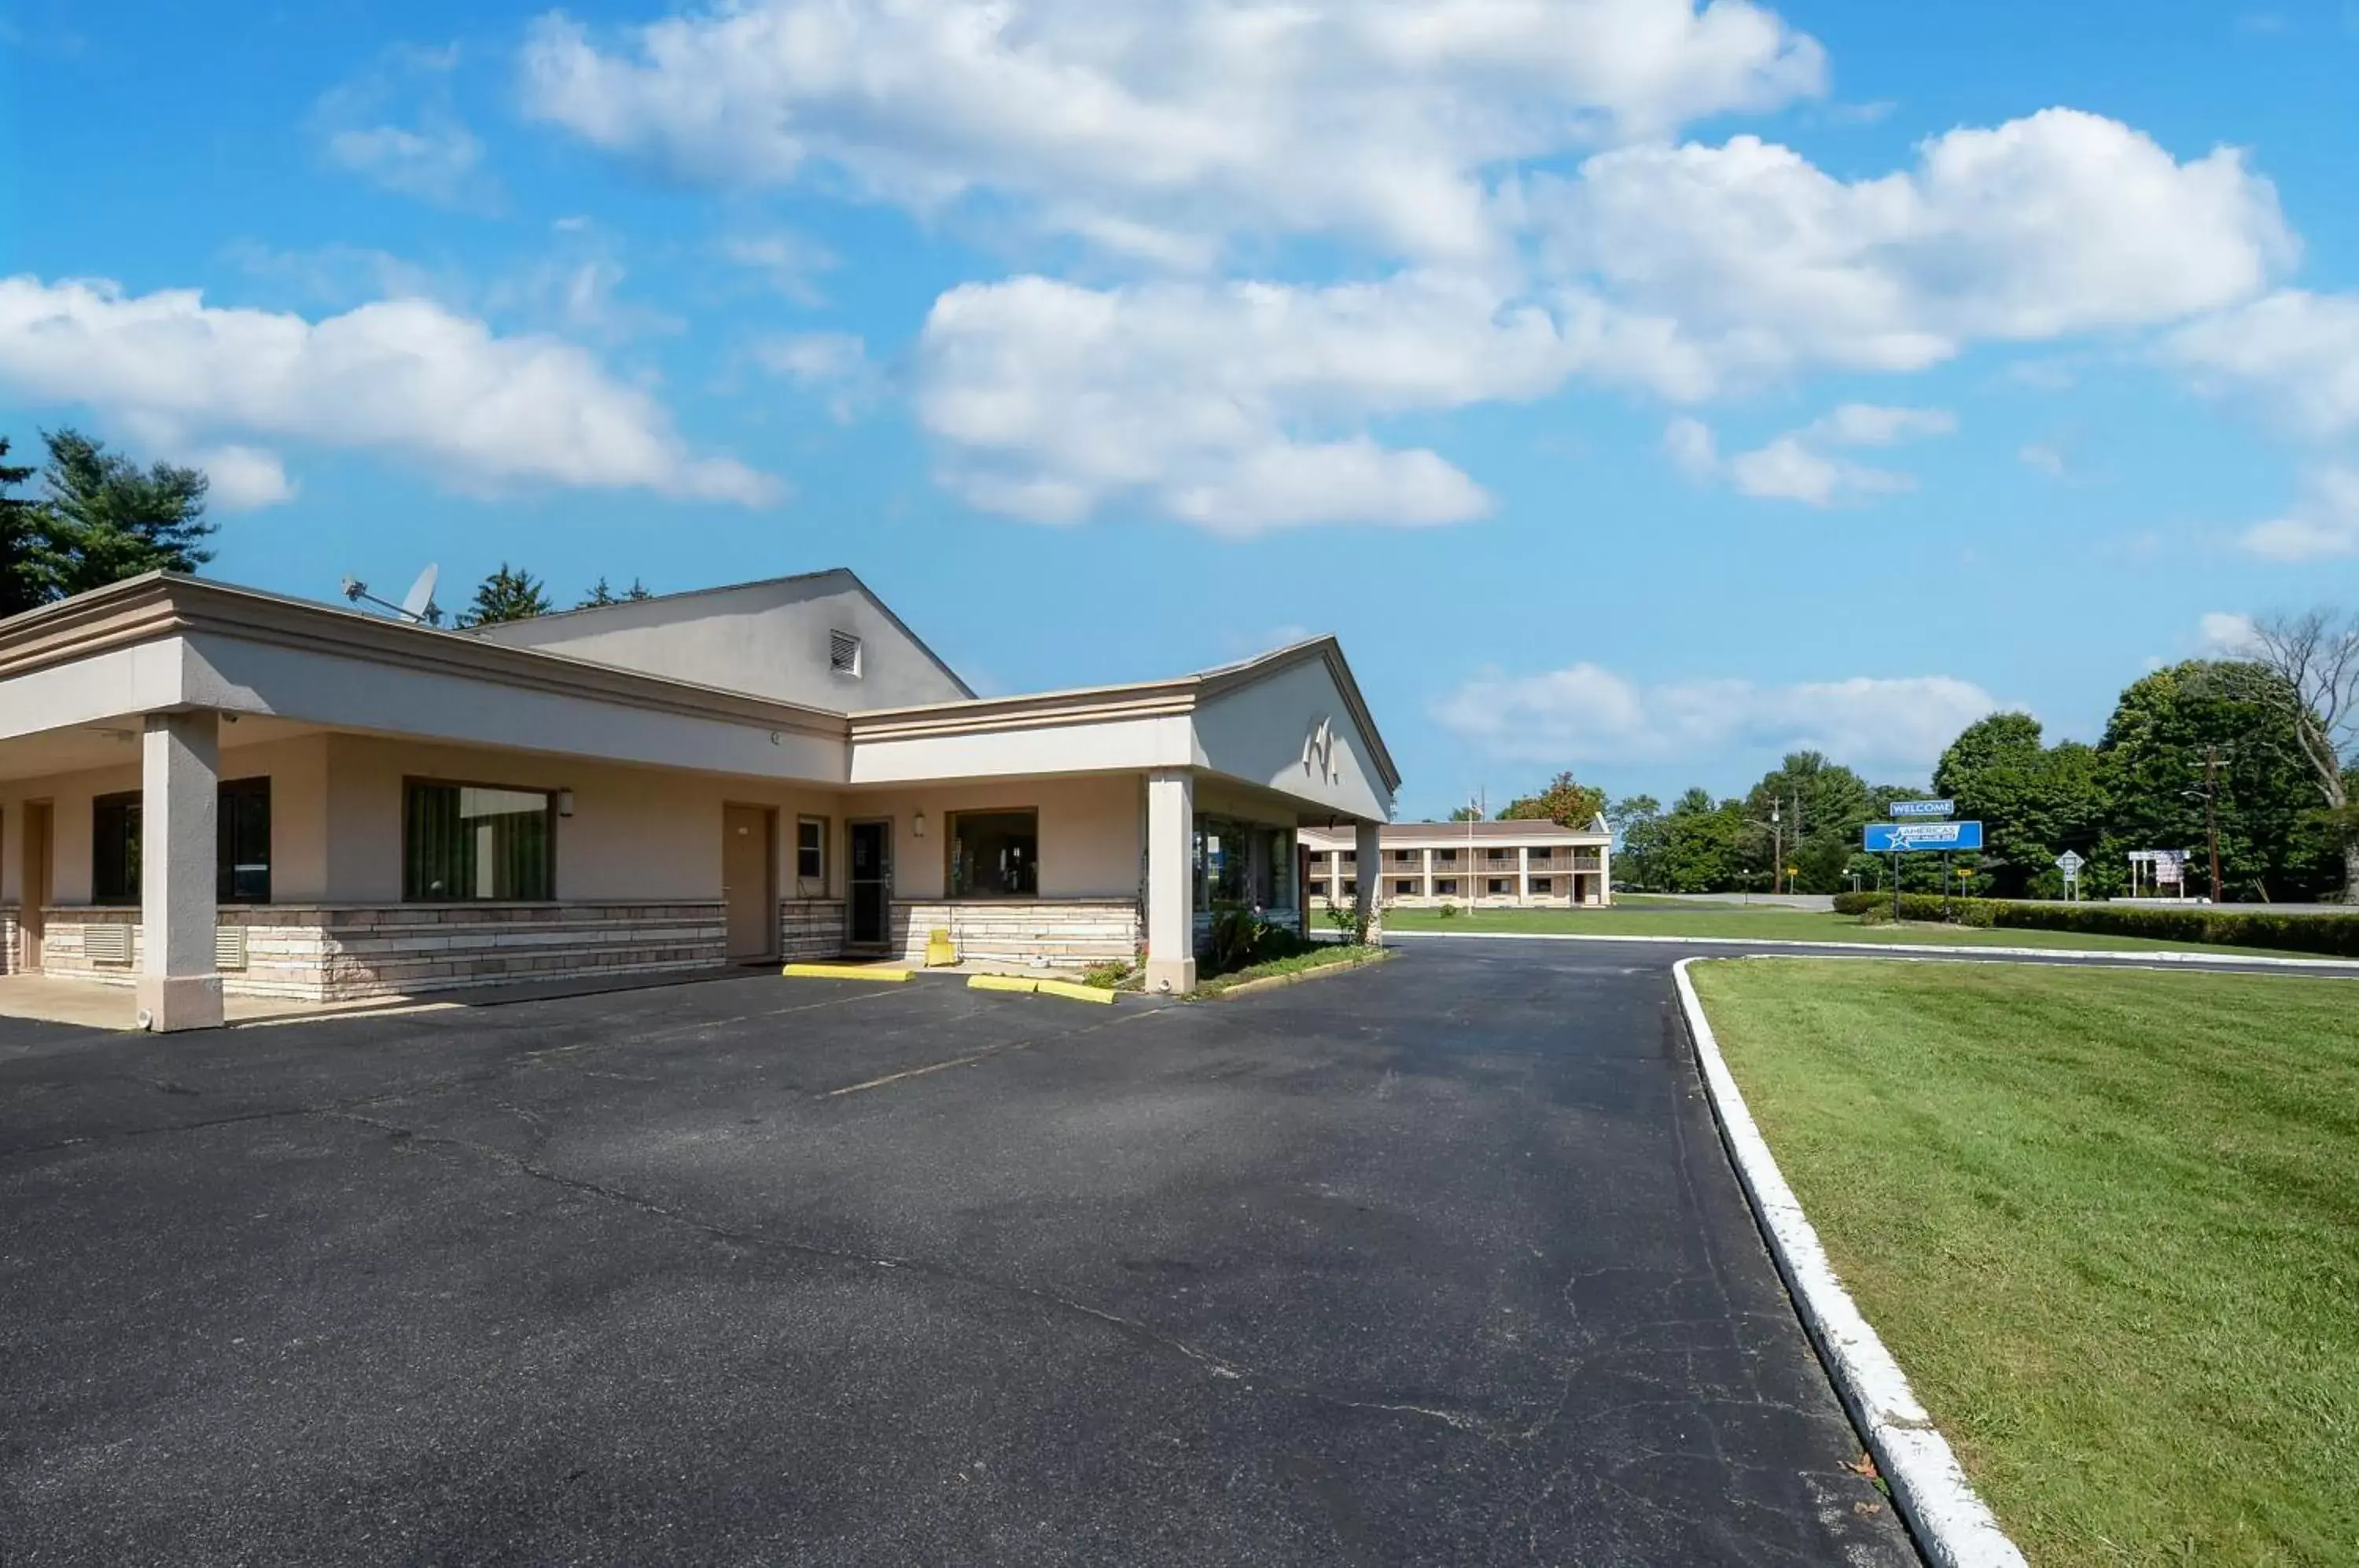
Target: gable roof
x: 1133, y: 700
x: 588, y: 616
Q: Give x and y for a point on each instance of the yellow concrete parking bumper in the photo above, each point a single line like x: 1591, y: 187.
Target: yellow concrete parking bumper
x: 1020, y: 986
x: 876, y: 972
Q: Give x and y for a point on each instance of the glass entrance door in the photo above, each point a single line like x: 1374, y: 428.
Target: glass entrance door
x: 869, y: 893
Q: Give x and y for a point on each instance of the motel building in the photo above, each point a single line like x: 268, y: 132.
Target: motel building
x: 205, y: 789
x: 1508, y: 866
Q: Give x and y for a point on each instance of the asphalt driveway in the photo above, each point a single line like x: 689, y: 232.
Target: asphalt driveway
x: 1435, y: 1262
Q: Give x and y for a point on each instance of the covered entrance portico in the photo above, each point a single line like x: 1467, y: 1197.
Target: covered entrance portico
x: 206, y: 791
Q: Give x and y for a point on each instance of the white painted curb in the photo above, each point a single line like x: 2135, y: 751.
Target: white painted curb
x: 1952, y: 1525
x: 1947, y: 950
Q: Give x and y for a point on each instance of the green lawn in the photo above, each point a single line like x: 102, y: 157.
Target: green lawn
x: 2107, y: 1221
x: 1763, y: 923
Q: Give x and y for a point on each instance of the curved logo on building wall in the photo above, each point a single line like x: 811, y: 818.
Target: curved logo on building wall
x: 1319, y: 751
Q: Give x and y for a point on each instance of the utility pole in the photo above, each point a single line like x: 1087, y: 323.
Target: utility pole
x: 1798, y: 831
x: 1777, y: 846
x: 2211, y: 815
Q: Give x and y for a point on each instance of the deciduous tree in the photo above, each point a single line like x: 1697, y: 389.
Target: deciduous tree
x: 2315, y: 657
x: 1564, y: 802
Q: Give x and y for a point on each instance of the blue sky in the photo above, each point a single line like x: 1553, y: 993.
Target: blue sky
x: 1635, y: 386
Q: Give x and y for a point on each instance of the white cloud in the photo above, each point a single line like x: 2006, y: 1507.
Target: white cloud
x: 1240, y: 408
x: 835, y: 364
x: 1585, y: 713
x: 1794, y: 467
x: 426, y: 152
x: 2045, y: 456
x: 1149, y: 127
x: 406, y: 378
x: 2324, y: 523
x: 2223, y: 632
x: 788, y: 262
x: 244, y: 478
x: 2061, y: 222
x: 1692, y: 448
x: 2297, y: 353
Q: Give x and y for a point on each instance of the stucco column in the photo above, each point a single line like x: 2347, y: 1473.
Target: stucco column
x: 177, y: 988
x: 1369, y: 841
x: 1170, y: 881
x: 1523, y: 874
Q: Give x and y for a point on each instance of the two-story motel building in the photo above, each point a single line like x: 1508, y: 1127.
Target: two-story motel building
x: 1520, y: 864
x: 205, y: 788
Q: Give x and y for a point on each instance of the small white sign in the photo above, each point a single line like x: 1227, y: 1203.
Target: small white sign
x: 2069, y: 863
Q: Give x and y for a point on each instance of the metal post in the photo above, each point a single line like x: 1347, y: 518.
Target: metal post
x: 2211, y: 816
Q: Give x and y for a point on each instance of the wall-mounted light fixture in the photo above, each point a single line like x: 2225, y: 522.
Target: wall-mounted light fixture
x: 918, y: 825
x: 565, y: 802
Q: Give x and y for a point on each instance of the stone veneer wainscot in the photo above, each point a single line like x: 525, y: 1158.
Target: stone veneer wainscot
x: 1068, y: 933
x: 332, y: 952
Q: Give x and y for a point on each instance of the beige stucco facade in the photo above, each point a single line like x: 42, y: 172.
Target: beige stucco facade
x: 159, y: 693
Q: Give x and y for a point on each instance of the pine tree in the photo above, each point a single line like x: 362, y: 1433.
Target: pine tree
x: 106, y: 519
x: 507, y: 594
x: 22, y: 530
x: 600, y: 594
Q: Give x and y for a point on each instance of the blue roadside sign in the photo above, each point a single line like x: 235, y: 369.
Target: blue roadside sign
x: 1924, y: 808
x: 1886, y: 838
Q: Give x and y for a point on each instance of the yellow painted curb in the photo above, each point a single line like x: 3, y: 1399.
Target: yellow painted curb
x: 845, y: 972
x: 1002, y: 983
x: 1075, y: 992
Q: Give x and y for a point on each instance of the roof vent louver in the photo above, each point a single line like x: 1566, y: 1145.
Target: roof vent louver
x: 844, y: 654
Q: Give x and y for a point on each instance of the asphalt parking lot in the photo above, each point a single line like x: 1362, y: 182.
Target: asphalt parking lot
x: 1439, y: 1261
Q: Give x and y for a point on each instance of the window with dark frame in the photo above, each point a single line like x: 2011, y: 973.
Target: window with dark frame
x: 1403, y: 887
x: 1498, y: 884
x: 114, y: 849
x: 241, y: 844
x: 241, y: 871
x: 1543, y: 885
x: 994, y: 854
x: 466, y: 843
x: 1350, y: 888
x: 810, y: 849
x: 1446, y: 887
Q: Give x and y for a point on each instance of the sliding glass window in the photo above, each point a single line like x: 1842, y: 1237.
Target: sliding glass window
x: 995, y: 855
x: 242, y: 845
x: 474, y: 840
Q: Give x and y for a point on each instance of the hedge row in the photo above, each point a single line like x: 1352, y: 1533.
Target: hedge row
x: 2337, y: 935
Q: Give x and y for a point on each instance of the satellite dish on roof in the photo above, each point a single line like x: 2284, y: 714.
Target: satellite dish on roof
x: 419, y: 603
x: 417, y: 606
